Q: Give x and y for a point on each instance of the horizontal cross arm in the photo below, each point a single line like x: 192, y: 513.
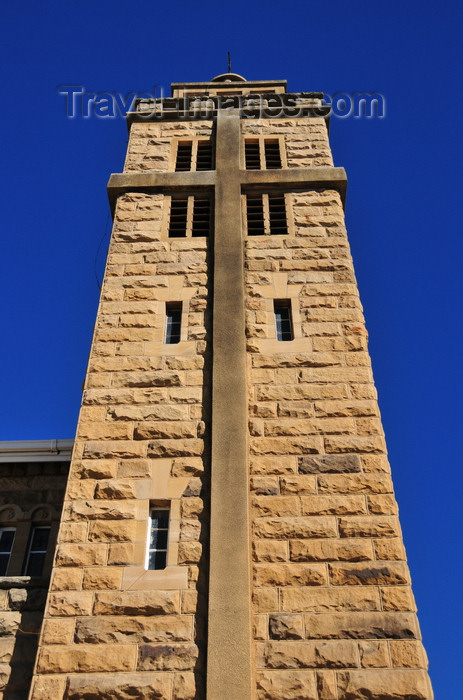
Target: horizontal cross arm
x: 121, y: 183
x: 289, y: 178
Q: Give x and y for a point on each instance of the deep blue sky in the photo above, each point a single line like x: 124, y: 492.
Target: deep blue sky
x: 401, y: 215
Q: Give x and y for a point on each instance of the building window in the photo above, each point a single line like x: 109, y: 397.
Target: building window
x: 173, y: 322
x: 36, y: 551
x: 266, y: 214
x: 6, y: 545
x: 194, y: 156
x: 189, y: 216
x: 283, y: 320
x: 262, y: 154
x: 158, y: 532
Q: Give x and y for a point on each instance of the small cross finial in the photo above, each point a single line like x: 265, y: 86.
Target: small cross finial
x: 229, y: 63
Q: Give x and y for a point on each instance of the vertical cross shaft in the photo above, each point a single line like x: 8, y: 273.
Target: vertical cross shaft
x: 229, y: 633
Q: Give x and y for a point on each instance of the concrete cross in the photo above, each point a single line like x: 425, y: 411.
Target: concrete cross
x: 229, y: 622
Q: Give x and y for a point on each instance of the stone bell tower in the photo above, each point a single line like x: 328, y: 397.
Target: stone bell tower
x: 229, y: 529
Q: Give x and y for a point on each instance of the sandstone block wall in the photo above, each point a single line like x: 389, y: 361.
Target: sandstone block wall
x: 334, y: 611
x: 305, y: 140
x: 111, y: 625
x: 151, y: 148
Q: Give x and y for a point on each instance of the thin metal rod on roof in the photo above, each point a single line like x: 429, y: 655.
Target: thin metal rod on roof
x: 229, y: 63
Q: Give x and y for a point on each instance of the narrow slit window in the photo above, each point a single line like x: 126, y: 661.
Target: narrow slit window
x: 184, y: 154
x: 283, y: 320
x: 204, y: 155
x: 6, y: 545
x: 178, y: 217
x: 37, y: 551
x: 201, y: 217
x: 272, y: 154
x: 173, y: 322
x: 255, y: 215
x: 252, y: 155
x: 277, y: 215
x: 158, y: 535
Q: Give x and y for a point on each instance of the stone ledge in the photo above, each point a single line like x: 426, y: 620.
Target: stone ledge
x: 24, y: 582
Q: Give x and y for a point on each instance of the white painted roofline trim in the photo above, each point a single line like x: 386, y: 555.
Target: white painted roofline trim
x: 35, y: 450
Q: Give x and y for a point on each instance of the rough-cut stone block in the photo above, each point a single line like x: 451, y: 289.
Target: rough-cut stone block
x: 276, y: 505
x: 175, y: 448
x: 48, y: 687
x: 267, y: 464
x: 166, y: 429
x: 114, y: 448
x: 265, y: 485
x: 283, y: 626
x: 270, y: 550
x: 333, y: 505
x: 286, y: 445
x: 100, y: 510
x: 260, y: 627
x: 374, y: 654
x: 389, y: 549
x: 265, y: 599
x: 397, y: 598
x: 189, y: 602
x: 7, y: 647
x: 301, y: 599
x: 298, y: 484
x: 190, y: 466
x: 66, y: 579
x: 326, y: 685
x: 408, y: 654
x: 87, y: 658
x: 167, y: 657
x: 80, y: 555
x: 191, y: 507
x: 70, y: 603
x: 363, y: 625
x: 329, y: 463
x: 355, y: 483
x: 373, y: 526
x: 335, y: 654
x: 384, y: 685
x: 346, y: 408
x: 371, y: 444
x: 330, y: 550
x: 189, y: 552
x: 112, y: 531
x: 302, y: 527
x: 136, y: 603
x: 184, y: 686
x: 120, y: 686
x: 9, y: 623
x: 115, y: 489
x: 95, y: 469
x: 289, y: 575
x: 146, y: 379
x: 73, y: 532
x: 368, y: 574
x: 101, y: 578
x: 286, y: 685
x: 58, y: 631
x: 120, y: 630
